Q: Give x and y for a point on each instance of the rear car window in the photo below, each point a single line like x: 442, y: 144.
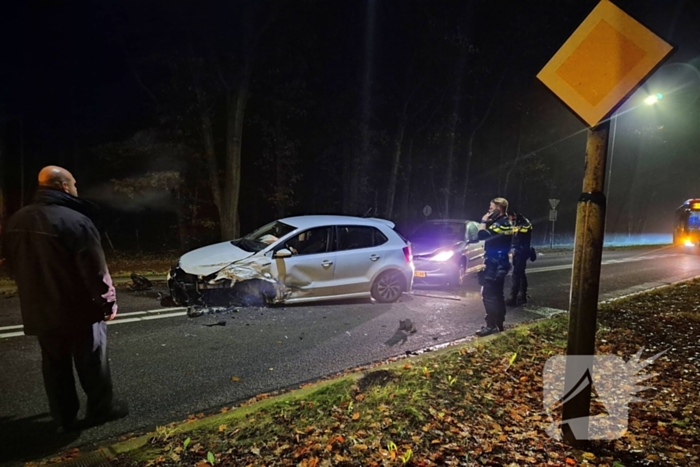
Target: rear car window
x: 356, y: 237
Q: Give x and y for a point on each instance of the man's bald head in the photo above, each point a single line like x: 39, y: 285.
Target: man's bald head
x: 58, y: 178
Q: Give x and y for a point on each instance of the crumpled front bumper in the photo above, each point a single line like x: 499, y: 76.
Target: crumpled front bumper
x: 183, y: 287
x: 247, y: 284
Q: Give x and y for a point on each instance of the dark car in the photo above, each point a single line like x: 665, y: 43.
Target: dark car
x: 445, y: 251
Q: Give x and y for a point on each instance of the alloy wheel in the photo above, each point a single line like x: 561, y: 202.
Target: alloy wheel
x: 389, y: 287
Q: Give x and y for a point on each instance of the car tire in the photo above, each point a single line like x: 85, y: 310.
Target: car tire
x: 459, y: 279
x: 388, y: 287
x: 461, y: 273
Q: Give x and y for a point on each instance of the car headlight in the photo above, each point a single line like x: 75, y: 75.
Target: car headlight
x: 688, y: 242
x: 443, y: 256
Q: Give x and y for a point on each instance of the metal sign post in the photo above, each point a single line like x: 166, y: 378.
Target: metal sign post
x: 427, y: 210
x: 552, y: 218
x: 595, y: 70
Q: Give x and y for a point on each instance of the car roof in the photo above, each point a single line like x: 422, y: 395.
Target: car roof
x: 305, y: 222
x: 452, y: 221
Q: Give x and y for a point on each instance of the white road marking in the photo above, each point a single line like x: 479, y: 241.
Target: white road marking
x: 136, y: 316
x: 11, y: 334
x: 604, y: 263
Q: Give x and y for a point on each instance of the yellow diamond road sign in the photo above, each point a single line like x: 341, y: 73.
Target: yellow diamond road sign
x: 602, y: 62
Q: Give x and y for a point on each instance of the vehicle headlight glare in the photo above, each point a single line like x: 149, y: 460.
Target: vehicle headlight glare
x: 443, y: 256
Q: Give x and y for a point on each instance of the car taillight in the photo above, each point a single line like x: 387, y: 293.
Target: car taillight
x: 408, y: 253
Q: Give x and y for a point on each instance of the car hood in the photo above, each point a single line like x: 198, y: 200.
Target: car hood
x: 425, y: 246
x: 210, y: 259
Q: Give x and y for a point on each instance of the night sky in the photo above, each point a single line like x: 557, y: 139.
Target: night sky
x: 79, y: 76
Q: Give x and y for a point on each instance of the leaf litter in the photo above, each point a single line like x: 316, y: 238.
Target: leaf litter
x: 474, y: 406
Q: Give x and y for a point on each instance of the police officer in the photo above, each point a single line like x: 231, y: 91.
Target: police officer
x: 496, y: 232
x: 522, y: 235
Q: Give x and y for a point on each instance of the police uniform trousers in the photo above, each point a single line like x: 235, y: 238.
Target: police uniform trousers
x: 86, y: 347
x: 518, y: 278
x: 494, y: 276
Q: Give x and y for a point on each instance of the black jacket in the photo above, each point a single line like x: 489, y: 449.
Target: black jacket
x: 55, y: 255
x: 497, y: 236
x: 522, y: 234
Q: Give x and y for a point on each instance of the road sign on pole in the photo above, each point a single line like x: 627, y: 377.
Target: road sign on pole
x: 427, y: 210
x: 553, y: 203
x: 597, y: 67
x: 602, y: 62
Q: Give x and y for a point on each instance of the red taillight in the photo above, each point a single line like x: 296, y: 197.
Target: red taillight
x: 408, y: 253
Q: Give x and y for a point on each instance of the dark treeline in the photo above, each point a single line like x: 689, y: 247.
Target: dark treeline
x: 195, y: 121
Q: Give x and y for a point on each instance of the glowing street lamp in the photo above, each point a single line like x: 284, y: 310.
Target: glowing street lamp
x: 653, y: 99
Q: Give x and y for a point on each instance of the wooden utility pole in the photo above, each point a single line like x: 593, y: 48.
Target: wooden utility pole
x: 585, y: 275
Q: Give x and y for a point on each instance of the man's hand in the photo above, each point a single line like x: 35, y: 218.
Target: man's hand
x: 486, y: 217
x: 113, y: 315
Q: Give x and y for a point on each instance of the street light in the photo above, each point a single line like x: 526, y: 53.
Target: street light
x: 650, y: 100
x: 653, y: 99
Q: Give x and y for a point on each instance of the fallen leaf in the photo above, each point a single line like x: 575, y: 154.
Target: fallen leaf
x: 235, y: 379
x: 356, y: 415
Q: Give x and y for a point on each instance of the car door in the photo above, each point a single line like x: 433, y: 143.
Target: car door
x: 360, y: 255
x: 309, y: 272
x: 475, y: 248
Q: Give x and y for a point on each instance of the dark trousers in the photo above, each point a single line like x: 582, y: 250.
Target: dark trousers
x: 493, y: 284
x: 87, y: 348
x: 518, y: 278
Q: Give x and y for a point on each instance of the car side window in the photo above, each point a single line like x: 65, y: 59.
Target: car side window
x: 472, y: 231
x: 355, y: 237
x: 310, y: 242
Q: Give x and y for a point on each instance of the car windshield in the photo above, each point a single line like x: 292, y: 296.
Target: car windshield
x: 263, y: 237
x: 443, y: 230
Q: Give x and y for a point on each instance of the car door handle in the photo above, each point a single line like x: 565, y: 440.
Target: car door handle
x: 327, y: 263
x: 374, y: 257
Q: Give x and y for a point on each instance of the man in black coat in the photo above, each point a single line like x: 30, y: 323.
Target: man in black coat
x: 496, y: 232
x: 55, y: 255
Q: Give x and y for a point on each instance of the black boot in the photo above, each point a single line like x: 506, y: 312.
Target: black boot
x: 487, y: 331
x: 522, y: 299
x: 512, y: 301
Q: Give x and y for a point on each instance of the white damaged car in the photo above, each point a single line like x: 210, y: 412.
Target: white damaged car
x: 298, y: 259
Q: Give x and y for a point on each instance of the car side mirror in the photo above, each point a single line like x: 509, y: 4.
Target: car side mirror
x: 283, y: 253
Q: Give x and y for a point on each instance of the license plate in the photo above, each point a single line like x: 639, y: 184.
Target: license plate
x: 419, y: 274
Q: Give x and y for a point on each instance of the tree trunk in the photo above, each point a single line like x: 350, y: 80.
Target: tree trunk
x: 519, y: 202
x: 407, y: 168
x: 181, y: 222
x: 452, y: 131
x: 351, y: 178
x: 280, y: 175
x: 212, y: 163
x: 395, y: 164
x: 3, y: 207
x: 515, y: 162
x: 470, y: 149
x: 236, y: 100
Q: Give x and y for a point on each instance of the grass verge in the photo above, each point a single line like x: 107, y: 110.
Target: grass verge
x: 122, y: 265
x: 476, y: 404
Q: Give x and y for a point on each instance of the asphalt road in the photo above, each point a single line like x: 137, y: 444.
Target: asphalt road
x: 168, y: 366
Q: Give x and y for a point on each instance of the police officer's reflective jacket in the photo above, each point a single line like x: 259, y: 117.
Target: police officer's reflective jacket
x: 497, y: 237
x: 522, y: 234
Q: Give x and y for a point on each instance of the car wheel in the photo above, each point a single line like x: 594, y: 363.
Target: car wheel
x: 462, y: 274
x: 460, y: 277
x: 388, y: 287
